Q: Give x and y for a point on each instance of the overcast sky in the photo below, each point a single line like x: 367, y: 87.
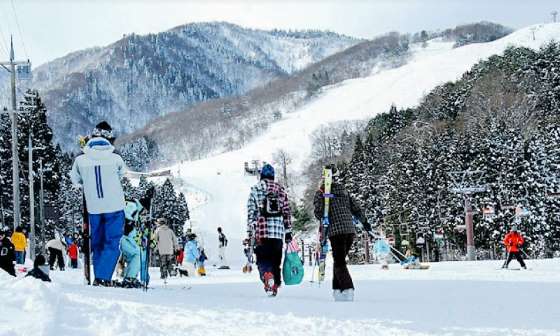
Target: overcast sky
x: 53, y: 28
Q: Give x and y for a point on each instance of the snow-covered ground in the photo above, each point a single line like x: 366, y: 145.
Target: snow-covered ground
x: 453, y: 298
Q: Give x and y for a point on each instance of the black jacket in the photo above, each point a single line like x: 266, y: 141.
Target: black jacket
x: 341, y: 209
x: 38, y: 274
x: 7, y: 256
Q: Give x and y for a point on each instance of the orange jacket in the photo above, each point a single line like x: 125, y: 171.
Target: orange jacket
x: 19, y: 241
x: 73, y: 251
x: 512, y: 241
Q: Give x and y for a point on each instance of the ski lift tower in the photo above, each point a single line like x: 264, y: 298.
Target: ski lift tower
x: 467, y: 183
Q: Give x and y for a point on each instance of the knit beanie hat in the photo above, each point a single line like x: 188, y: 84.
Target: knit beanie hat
x: 267, y: 172
x: 104, y: 130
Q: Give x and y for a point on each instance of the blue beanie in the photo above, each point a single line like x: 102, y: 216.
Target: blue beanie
x: 267, y: 171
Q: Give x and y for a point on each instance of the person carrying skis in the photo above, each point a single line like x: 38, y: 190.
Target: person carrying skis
x: 167, y: 245
x: 269, y: 220
x: 20, y: 243
x: 7, y: 252
x: 513, y: 242
x: 40, y: 270
x: 222, y: 243
x: 341, y: 232
x: 56, y: 248
x: 131, y: 255
x: 99, y: 171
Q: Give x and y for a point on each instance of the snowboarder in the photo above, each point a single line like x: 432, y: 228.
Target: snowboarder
x: 20, y: 243
x: 269, y: 220
x: 513, y: 242
x: 99, y: 172
x: 222, y: 243
x: 167, y: 245
x: 40, y: 270
x: 7, y: 252
x: 341, y: 232
x: 73, y: 254
x: 131, y: 256
x: 192, y: 253
x: 56, y: 248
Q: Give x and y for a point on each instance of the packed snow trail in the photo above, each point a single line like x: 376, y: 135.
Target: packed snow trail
x: 454, y: 298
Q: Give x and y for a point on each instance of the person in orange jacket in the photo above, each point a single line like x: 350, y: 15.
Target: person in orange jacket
x: 20, y: 243
x: 73, y: 254
x: 513, y: 242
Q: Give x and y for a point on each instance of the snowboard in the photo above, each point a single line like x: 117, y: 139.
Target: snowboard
x: 324, y: 227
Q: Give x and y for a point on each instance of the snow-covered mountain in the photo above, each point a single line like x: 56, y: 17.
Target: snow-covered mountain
x: 356, y: 99
x: 138, y: 78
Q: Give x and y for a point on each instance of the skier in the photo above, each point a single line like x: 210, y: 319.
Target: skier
x: 167, y: 245
x: 269, y: 220
x: 40, y: 270
x: 20, y: 243
x: 99, y: 171
x: 222, y: 243
x: 56, y: 248
x: 341, y: 232
x: 131, y: 256
x: 7, y: 252
x: 73, y: 254
x: 192, y: 253
x: 513, y: 242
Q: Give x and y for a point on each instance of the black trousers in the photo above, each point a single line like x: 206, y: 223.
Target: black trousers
x: 340, y: 245
x: 517, y: 256
x: 269, y: 258
x: 74, y: 263
x: 56, y: 255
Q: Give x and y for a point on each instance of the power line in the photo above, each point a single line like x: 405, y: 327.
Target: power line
x: 3, y: 42
x: 19, y: 29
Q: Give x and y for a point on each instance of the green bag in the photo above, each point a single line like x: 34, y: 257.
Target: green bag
x: 293, y: 268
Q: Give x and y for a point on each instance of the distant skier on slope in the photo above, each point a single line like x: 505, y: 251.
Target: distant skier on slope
x: 222, y: 243
x: 341, y: 232
x: 269, y: 220
x: 99, y: 172
x: 513, y: 242
x: 167, y: 246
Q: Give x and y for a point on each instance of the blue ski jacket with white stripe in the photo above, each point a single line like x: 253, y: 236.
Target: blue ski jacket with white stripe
x: 99, y: 172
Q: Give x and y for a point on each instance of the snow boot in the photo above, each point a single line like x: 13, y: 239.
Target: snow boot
x: 337, y: 294
x: 274, y: 291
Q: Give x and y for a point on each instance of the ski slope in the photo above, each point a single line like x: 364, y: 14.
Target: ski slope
x: 221, y: 177
x: 451, y: 299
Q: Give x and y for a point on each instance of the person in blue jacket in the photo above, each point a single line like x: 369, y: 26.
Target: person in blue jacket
x: 131, y: 255
x: 99, y: 171
x: 192, y: 253
x: 382, y: 250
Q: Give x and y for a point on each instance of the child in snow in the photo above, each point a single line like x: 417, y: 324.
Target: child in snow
x: 40, y: 269
x: 382, y: 250
x: 131, y: 256
x: 7, y: 252
x: 73, y: 254
x: 99, y: 171
x: 192, y: 254
x: 167, y: 245
x: 20, y: 243
x: 201, y: 259
x: 222, y: 243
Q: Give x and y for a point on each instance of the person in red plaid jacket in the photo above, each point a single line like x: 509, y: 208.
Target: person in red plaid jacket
x: 269, y: 221
x: 341, y: 232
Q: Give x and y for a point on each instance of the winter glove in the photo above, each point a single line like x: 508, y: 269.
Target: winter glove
x: 288, y: 237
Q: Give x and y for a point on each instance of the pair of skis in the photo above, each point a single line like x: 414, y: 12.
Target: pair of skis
x: 324, y: 227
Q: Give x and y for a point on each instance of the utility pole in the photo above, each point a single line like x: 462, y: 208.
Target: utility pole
x: 15, y: 162
x: 467, y: 183
x: 41, y: 207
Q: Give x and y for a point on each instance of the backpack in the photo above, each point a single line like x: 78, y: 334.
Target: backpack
x: 271, y: 206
